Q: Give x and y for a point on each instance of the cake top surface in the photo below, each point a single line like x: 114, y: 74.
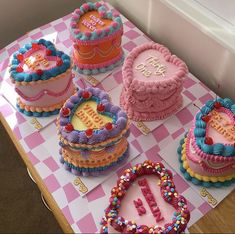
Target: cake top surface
x: 145, y: 200
x: 214, y: 129
x: 38, y: 60
x: 92, y: 21
x: 153, y: 63
x: 88, y: 119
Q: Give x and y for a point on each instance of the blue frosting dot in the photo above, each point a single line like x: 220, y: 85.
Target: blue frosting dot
x: 35, y: 76
x: 28, y: 78
x: 210, y: 104
x: 199, y: 132
x: 233, y: 108
x: 15, y: 61
x: 28, y: 46
x: 207, y: 148
x: 200, y: 124
x: 42, y: 41
x: 22, y: 50
x: 228, y: 103
x: 218, y: 149
x: 229, y: 150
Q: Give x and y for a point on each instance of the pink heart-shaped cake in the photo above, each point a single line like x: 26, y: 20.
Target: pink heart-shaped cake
x: 93, y: 133
x: 42, y: 78
x: 97, y: 35
x: 207, y: 153
x: 152, y: 82
x: 138, y: 205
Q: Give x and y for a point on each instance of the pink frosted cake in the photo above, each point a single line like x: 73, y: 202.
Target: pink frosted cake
x: 207, y: 153
x: 42, y: 78
x: 145, y: 200
x: 152, y: 82
x: 97, y: 35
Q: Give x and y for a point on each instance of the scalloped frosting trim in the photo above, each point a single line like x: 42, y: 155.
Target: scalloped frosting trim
x: 32, y: 83
x: 17, y: 73
x: 29, y: 108
x: 149, y: 116
x: 100, y: 69
x: 193, y: 174
x: 98, y: 170
x: 97, y: 34
x: 94, y: 163
x: 120, y: 224
x: 219, y: 152
x: 159, y: 85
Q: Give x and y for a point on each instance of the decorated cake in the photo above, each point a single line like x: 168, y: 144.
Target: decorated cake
x: 152, y: 82
x: 97, y: 35
x: 42, y: 78
x: 207, y: 153
x: 145, y: 200
x: 93, y: 133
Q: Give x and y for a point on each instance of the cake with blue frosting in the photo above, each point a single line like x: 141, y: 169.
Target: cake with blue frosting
x: 42, y: 78
x: 207, y: 153
x: 96, y: 35
x: 92, y: 133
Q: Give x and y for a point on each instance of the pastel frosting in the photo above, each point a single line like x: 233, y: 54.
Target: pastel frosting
x: 21, y: 71
x: 168, y: 192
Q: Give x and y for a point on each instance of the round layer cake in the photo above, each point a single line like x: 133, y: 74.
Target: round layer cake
x: 97, y: 35
x: 152, y: 82
x: 42, y: 78
x: 145, y: 200
x: 93, y: 133
x: 207, y: 153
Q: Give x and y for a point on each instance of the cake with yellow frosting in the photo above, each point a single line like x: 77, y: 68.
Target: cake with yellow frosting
x: 207, y: 153
x: 93, y: 133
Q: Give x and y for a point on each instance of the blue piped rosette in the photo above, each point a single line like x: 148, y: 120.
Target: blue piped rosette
x: 20, y: 76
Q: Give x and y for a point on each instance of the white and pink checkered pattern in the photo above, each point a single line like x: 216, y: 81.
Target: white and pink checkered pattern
x: 83, y: 213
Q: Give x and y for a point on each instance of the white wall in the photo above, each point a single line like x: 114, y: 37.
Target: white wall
x: 20, y: 16
x: 192, y: 36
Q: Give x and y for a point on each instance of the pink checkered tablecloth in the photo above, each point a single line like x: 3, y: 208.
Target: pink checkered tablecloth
x: 84, y: 213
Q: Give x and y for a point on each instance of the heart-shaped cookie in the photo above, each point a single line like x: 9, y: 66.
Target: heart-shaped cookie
x: 130, y: 211
x: 152, y: 80
x: 89, y: 119
x: 96, y: 34
x: 38, y: 60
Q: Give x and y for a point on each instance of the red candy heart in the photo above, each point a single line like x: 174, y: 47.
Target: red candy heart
x: 217, y: 105
x: 19, y: 69
x: 86, y: 94
x: 208, y: 141
x: 65, y: 111
x: 48, y: 52
x: 39, y: 72
x: 20, y: 57
x: 206, y: 118
x: 109, y: 126
x: 100, y: 107
x: 69, y: 127
x: 89, y: 132
x: 59, y: 62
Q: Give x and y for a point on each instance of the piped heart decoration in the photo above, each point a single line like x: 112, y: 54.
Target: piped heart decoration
x: 88, y: 117
x: 214, y: 130
x: 169, y: 193
x: 92, y: 21
x: 38, y: 60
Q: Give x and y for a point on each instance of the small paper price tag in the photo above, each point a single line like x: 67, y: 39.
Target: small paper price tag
x: 143, y: 128
x: 81, y: 186
x: 92, y: 80
x: 210, y: 199
x: 36, y: 123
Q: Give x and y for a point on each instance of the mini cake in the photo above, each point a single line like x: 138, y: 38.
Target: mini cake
x: 97, y: 36
x: 42, y: 78
x: 143, y: 207
x: 207, y: 153
x: 152, y: 82
x: 93, y: 133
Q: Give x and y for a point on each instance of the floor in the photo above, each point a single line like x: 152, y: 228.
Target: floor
x: 21, y: 207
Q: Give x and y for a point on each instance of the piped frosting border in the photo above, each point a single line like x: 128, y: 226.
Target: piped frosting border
x: 18, y: 57
x: 169, y: 194
x: 96, y: 35
x: 161, y: 85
